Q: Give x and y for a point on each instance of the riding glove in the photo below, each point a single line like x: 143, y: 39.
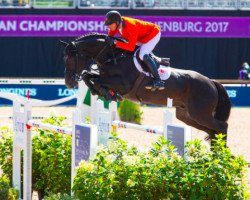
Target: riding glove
x: 111, y: 41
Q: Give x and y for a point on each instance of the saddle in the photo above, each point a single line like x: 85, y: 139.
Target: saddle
x: 159, y: 61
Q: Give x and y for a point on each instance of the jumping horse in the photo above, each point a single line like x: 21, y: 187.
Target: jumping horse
x: 200, y: 102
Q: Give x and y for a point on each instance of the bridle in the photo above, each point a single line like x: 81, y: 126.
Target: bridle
x: 98, y: 55
x: 79, y: 77
x: 73, y: 73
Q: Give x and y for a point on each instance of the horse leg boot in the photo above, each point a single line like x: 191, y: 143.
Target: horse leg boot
x: 106, y: 94
x: 157, y: 82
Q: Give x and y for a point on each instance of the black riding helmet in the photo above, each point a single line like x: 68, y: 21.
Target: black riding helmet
x: 112, y: 17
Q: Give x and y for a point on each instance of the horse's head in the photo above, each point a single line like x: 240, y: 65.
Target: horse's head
x: 74, y: 63
x: 80, y: 54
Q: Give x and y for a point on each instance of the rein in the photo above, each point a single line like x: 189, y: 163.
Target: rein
x: 79, y: 77
x: 100, y: 52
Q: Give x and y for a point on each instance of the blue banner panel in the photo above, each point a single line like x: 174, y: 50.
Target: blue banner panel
x: 239, y: 94
x: 39, y: 91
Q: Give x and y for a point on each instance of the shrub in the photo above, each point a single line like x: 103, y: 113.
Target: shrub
x: 215, y: 174
x: 4, y: 187
x: 13, y: 194
x: 123, y: 172
x: 6, y: 191
x: 51, y: 159
x: 59, y: 196
x: 129, y: 111
x: 6, y: 140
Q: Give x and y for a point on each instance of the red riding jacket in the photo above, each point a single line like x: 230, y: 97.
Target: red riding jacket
x: 135, y: 30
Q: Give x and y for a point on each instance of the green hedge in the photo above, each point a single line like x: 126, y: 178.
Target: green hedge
x: 59, y: 196
x: 123, y: 172
x: 6, y: 142
x: 6, y: 191
x: 51, y: 158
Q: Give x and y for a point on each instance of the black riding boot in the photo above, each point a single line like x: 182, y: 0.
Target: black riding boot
x: 157, y: 82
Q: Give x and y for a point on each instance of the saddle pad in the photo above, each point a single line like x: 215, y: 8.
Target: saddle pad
x: 163, y: 71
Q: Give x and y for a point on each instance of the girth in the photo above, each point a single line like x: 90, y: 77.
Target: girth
x: 132, y: 94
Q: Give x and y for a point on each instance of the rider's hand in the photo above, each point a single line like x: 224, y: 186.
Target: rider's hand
x: 111, y: 41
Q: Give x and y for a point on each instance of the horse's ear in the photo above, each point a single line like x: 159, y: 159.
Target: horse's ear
x: 64, y: 43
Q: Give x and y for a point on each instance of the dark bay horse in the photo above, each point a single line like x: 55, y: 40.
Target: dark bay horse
x: 200, y: 102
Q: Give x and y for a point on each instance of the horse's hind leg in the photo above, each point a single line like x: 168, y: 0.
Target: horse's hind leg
x: 183, y: 115
x: 204, y: 117
x: 211, y: 123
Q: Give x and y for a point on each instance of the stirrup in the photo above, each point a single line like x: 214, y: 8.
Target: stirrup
x: 158, y: 84
x: 148, y: 87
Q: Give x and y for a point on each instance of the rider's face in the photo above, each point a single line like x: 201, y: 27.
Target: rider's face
x: 113, y: 26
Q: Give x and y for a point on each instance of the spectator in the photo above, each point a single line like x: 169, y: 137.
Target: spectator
x: 245, y: 72
x: 139, y: 3
x: 115, y: 3
x: 124, y: 3
x: 118, y: 3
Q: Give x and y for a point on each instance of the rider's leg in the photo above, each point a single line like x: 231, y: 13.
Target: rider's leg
x: 145, y: 50
x: 157, y: 83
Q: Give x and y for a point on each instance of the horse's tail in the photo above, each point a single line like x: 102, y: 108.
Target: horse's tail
x: 223, y: 107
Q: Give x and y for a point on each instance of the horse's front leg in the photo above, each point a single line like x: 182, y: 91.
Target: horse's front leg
x: 104, y: 91
x: 111, y: 87
x: 88, y: 80
x: 115, y: 83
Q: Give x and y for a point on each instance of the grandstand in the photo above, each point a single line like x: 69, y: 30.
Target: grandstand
x: 130, y: 4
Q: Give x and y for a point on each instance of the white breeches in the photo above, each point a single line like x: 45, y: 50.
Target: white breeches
x: 148, y: 47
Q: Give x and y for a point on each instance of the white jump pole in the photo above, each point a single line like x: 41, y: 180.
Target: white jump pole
x: 167, y: 120
x: 33, y: 123
x: 149, y: 129
x: 178, y: 134
x: 167, y: 117
x: 23, y: 142
x: 81, y: 94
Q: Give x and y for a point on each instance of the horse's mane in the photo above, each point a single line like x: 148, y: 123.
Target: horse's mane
x: 90, y: 36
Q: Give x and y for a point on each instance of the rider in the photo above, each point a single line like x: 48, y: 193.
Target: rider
x: 136, y: 32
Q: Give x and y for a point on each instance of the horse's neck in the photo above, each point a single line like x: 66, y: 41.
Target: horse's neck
x: 106, y: 53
